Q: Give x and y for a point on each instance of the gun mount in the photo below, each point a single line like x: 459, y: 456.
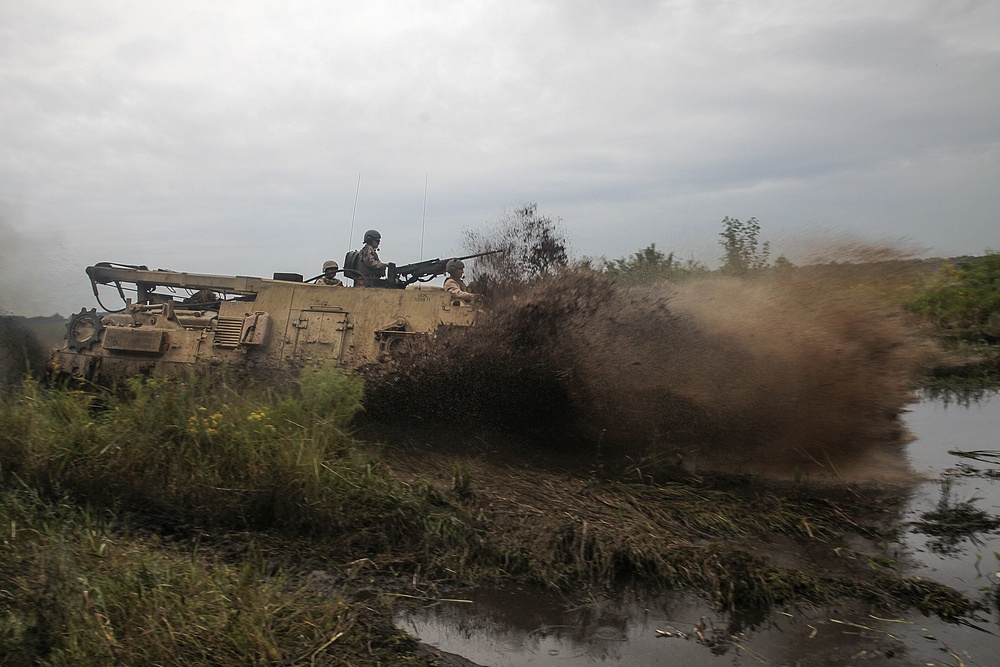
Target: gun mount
x: 407, y: 274
x: 403, y: 275
x: 174, y: 320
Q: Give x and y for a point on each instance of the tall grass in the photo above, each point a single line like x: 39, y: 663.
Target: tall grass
x: 75, y: 593
x: 200, y: 452
x: 213, y: 454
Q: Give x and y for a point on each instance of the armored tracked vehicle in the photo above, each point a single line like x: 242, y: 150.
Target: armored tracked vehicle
x: 178, y: 320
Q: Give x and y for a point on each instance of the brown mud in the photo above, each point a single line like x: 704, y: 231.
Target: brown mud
x: 783, y: 376
x: 21, y: 352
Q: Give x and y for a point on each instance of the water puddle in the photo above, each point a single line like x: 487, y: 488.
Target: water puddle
x: 505, y: 627
x: 967, y: 563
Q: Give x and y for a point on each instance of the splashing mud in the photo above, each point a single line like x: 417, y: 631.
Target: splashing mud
x: 21, y: 353
x: 773, y: 373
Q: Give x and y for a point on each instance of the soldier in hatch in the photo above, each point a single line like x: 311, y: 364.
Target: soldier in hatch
x: 369, y: 264
x: 329, y: 276
x: 454, y: 283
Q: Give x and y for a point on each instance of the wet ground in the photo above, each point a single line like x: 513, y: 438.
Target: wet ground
x: 500, y: 627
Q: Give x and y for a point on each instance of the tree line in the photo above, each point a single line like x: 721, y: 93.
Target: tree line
x: 536, y: 244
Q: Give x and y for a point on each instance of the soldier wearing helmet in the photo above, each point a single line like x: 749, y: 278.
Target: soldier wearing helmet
x: 454, y: 283
x: 369, y: 265
x: 329, y: 276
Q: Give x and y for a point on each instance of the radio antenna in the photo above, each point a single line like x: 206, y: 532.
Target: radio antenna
x: 350, y: 241
x: 423, y: 219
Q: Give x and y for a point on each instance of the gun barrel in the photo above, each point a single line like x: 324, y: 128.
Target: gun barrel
x: 480, y: 254
x: 423, y: 271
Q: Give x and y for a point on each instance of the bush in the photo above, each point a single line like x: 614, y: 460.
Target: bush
x: 965, y: 301
x: 650, y: 265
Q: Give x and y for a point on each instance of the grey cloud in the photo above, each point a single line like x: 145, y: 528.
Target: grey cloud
x: 230, y: 138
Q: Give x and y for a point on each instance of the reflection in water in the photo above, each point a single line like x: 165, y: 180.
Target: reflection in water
x: 532, y: 627
x: 949, y: 426
x: 953, y: 522
x: 662, y: 630
x: 525, y: 627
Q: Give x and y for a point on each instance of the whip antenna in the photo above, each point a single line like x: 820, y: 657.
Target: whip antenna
x: 350, y: 241
x: 423, y: 219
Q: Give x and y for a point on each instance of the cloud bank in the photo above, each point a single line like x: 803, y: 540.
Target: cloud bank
x: 231, y: 137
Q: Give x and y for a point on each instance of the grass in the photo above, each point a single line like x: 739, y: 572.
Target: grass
x: 961, y: 305
x: 77, y: 593
x: 174, y: 521
x: 200, y: 452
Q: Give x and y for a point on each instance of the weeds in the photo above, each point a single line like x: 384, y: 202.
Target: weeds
x: 74, y: 593
x: 199, y: 452
x: 182, y: 457
x: 964, y: 303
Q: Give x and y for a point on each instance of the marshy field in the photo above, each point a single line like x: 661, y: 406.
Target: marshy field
x: 734, y: 454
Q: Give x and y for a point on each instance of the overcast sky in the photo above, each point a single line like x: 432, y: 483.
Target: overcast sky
x: 231, y: 136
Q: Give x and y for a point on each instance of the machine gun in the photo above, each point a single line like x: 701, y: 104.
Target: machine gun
x: 420, y: 272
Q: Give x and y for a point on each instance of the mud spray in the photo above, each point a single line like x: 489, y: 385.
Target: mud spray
x: 21, y: 353
x: 781, y: 375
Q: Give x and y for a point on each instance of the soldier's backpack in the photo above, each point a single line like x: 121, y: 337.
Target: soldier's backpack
x: 351, y: 260
x: 351, y: 265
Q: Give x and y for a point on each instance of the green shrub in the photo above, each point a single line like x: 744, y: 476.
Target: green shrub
x: 964, y: 303
x: 199, y: 452
x: 650, y: 265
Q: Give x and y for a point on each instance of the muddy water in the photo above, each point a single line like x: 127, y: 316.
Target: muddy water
x: 525, y: 627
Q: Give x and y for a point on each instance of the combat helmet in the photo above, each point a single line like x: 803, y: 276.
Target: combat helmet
x: 372, y: 235
x: 454, y: 265
x: 330, y: 264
